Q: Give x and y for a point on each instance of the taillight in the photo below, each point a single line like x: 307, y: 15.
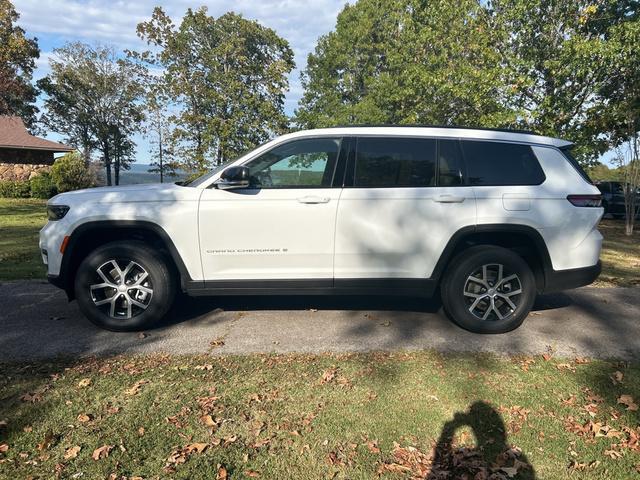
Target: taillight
x: 585, y: 200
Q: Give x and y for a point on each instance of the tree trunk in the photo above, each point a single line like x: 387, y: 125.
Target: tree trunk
x: 160, y: 151
x: 107, y: 163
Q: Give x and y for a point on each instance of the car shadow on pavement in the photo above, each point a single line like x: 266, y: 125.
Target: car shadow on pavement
x: 188, y: 309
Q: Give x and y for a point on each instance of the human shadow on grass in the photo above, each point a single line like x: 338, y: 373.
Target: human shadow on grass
x: 492, y: 457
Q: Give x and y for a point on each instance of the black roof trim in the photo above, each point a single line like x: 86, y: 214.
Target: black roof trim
x: 421, y: 125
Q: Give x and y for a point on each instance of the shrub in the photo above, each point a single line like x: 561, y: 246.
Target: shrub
x: 15, y: 189
x: 42, y: 186
x: 70, y: 172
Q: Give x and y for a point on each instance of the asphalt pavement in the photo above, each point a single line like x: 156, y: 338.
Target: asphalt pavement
x: 37, y: 322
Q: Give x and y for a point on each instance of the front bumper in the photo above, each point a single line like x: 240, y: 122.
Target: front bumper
x: 556, y: 280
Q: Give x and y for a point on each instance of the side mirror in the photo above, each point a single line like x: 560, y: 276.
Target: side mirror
x: 233, y: 177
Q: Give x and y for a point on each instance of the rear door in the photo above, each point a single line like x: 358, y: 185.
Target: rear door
x: 404, y: 197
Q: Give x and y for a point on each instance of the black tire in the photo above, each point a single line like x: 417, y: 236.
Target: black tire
x: 160, y: 281
x: 457, y: 285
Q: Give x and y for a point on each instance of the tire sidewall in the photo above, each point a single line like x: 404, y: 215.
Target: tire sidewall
x: 467, y: 263
x: 155, y: 265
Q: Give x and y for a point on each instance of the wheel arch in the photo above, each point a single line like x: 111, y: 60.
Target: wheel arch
x: 88, y: 236
x: 524, y: 240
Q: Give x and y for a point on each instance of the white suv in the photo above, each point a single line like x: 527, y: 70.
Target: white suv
x: 488, y: 218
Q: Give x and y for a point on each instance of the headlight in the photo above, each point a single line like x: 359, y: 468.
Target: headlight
x: 56, y: 212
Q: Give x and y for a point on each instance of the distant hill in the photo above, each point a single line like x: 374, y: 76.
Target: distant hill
x: 139, y: 173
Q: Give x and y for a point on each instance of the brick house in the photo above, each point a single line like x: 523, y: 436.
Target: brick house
x: 23, y: 156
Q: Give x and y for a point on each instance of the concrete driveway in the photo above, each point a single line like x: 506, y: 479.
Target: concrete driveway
x: 36, y: 321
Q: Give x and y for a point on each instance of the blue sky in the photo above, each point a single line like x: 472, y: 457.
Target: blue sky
x: 114, y: 23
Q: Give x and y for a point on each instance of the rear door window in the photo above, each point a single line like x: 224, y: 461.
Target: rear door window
x: 495, y: 163
x: 449, y: 163
x: 395, y: 162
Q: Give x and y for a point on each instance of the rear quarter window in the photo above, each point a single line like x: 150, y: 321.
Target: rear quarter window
x: 495, y: 163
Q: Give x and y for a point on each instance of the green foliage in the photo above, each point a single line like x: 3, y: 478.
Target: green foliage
x: 229, y: 90
x: 42, y: 186
x: 15, y: 189
x: 93, y: 99
x: 565, y: 68
x: 17, y: 61
x: 70, y: 172
x: 398, y: 61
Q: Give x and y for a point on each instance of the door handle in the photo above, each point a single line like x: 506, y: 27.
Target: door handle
x: 312, y: 199
x: 448, y: 199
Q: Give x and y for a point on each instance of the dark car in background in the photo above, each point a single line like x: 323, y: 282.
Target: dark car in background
x: 613, y: 198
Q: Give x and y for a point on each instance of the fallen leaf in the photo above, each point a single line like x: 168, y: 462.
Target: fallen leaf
x: 85, y: 382
x: 616, y: 377
x: 72, y: 452
x: 222, y: 473
x: 49, y: 440
x: 142, y: 335
x: 627, y: 400
x: 372, y: 445
x: 217, y: 342
x: 3, y: 447
x: 101, y: 452
x: 141, y: 431
x: 251, y: 473
x: 546, y: 356
x: 84, y: 418
x: 135, y: 389
x: 328, y: 375
x: 613, y: 454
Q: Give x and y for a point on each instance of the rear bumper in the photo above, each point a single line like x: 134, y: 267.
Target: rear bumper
x: 556, y: 280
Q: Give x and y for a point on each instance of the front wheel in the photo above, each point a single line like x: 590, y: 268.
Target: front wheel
x: 124, y: 286
x: 488, y: 290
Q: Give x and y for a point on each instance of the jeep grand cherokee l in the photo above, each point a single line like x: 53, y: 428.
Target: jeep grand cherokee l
x: 485, y: 218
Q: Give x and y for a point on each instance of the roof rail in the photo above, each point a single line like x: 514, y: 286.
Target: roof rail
x: 509, y: 130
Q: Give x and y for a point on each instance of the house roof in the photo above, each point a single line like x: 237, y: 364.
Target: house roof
x: 13, y: 134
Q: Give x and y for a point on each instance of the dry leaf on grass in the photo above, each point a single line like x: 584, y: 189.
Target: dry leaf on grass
x: 627, y: 400
x: 3, y: 447
x: 84, y: 418
x: 72, y: 452
x: 616, y: 377
x: 85, y: 382
x: 222, y: 473
x: 135, y: 389
x: 101, y: 452
x: 328, y: 375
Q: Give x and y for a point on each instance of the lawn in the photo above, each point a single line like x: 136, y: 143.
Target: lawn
x: 404, y: 415
x: 20, y: 221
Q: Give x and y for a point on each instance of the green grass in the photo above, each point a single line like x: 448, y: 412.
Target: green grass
x: 307, y: 417
x: 620, y: 255
x: 20, y: 222
x: 21, y: 219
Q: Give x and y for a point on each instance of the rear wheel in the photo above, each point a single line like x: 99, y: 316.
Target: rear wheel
x: 488, y: 290
x: 124, y: 286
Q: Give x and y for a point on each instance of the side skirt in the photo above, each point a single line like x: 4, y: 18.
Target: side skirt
x: 409, y: 287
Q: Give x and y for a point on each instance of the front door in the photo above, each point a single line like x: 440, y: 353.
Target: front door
x: 283, y: 225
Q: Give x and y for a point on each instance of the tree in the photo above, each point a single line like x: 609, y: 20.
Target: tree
x: 228, y: 77
x: 17, y: 61
x: 93, y: 97
x: 158, y: 129
x: 557, y: 58
x: 405, y: 61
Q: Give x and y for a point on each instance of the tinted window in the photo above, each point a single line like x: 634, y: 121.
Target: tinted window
x: 395, y: 162
x: 494, y: 163
x: 449, y: 163
x: 298, y: 164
